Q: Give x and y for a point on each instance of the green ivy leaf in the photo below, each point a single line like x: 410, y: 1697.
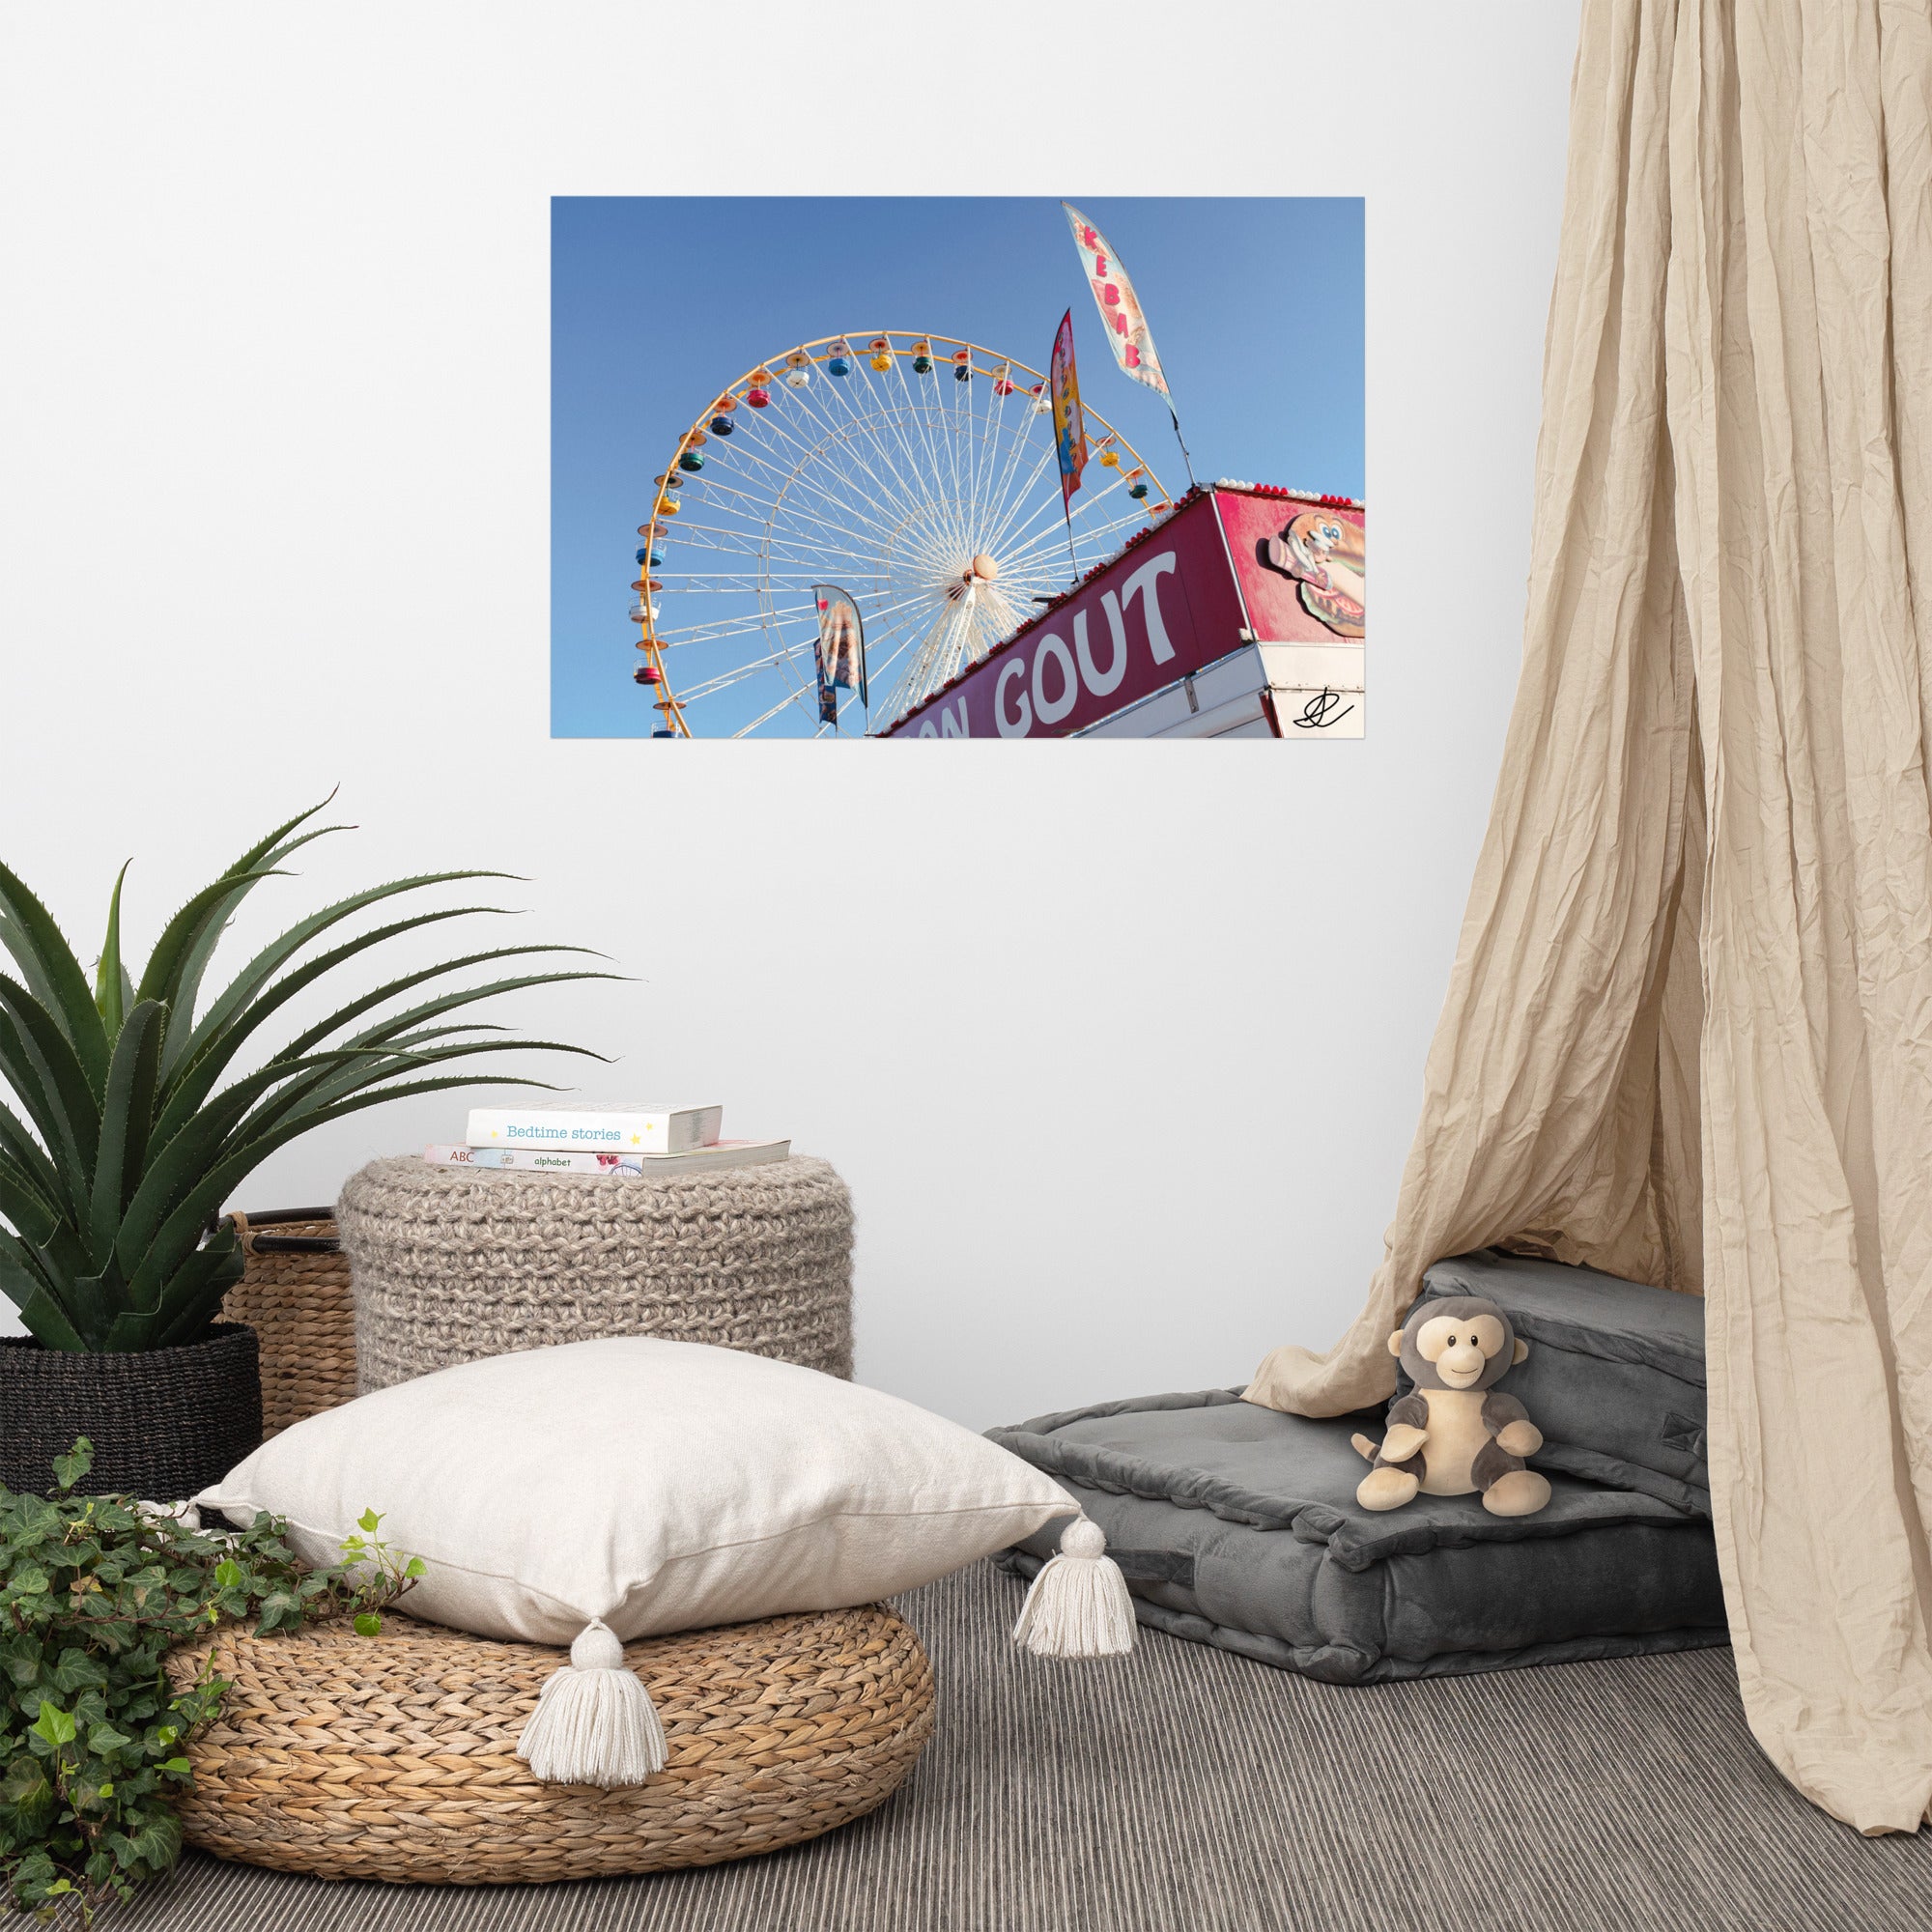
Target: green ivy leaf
x: 21, y: 1660
x: 280, y: 1606
x: 35, y: 1877
x: 155, y: 1844
x: 176, y: 1767
x: 70, y: 1468
x: 227, y: 1574
x: 415, y: 1566
x: 25, y: 1783
x: 74, y: 1671
x: 368, y: 1521
x: 53, y: 1725
x: 368, y: 1623
x: 90, y: 1708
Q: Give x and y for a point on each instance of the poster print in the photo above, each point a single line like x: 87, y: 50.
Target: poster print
x: 768, y: 523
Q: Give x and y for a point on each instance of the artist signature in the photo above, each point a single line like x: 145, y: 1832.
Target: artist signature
x: 1320, y: 712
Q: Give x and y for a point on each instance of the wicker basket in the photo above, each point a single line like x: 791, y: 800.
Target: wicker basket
x: 163, y: 1422
x: 295, y: 1296
x: 394, y: 1756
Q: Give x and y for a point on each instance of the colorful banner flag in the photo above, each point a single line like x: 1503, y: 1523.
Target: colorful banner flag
x: 1069, y: 420
x: 1120, y: 307
x: 840, y: 649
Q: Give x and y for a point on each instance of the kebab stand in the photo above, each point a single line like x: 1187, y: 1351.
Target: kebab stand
x: 1238, y: 615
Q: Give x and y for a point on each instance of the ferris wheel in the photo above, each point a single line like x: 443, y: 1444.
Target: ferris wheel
x: 914, y: 473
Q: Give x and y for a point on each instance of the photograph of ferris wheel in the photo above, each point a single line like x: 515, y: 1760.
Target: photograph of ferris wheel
x: 849, y: 468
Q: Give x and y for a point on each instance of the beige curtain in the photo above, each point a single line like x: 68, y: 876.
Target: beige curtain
x: 1689, y: 1031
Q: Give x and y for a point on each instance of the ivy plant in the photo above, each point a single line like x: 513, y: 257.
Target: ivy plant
x: 95, y: 1591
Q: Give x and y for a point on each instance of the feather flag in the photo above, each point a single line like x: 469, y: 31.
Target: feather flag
x: 1069, y: 420
x: 1120, y: 307
x: 840, y: 649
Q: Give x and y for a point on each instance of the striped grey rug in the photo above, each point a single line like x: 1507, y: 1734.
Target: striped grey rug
x: 1188, y: 1791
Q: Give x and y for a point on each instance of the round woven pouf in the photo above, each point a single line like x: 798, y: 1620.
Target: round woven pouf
x: 452, y: 1264
x: 394, y: 1756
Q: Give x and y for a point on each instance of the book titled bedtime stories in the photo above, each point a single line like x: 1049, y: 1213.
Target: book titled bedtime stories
x: 617, y: 1130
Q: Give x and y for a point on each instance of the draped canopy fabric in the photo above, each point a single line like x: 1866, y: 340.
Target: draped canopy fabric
x: 1689, y: 1031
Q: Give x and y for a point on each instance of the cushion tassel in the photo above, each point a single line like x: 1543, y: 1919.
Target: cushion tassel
x: 594, y: 1722
x: 1078, y: 1605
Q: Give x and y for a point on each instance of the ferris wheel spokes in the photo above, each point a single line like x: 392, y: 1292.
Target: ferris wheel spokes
x: 909, y: 499
x: 831, y: 439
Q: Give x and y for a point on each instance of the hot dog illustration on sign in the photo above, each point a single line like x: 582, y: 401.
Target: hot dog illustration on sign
x: 1327, y: 556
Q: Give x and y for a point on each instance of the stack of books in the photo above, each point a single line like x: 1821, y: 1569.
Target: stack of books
x: 603, y: 1140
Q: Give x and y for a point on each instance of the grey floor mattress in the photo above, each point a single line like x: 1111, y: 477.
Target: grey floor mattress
x: 1238, y: 1526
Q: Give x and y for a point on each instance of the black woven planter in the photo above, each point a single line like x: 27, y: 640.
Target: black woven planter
x: 164, y: 1422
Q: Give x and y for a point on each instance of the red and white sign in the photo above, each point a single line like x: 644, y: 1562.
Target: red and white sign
x: 1224, y: 570
x: 1300, y: 565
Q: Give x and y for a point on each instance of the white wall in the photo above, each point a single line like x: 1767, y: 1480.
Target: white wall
x: 1137, y: 1042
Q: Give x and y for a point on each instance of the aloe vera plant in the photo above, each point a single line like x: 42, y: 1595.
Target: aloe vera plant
x: 123, y: 1141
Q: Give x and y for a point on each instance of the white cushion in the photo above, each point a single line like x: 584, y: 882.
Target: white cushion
x: 655, y: 1485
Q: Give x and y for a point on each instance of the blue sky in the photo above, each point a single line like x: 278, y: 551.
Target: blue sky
x: 657, y: 303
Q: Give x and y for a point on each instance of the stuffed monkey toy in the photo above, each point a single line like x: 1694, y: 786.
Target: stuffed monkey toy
x: 1456, y: 1434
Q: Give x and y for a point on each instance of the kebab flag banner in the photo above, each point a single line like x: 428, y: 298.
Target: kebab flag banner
x: 1120, y: 307
x: 1069, y: 420
x: 841, y: 650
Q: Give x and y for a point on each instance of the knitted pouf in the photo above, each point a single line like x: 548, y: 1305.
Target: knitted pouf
x: 454, y: 1264
x: 394, y: 1756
